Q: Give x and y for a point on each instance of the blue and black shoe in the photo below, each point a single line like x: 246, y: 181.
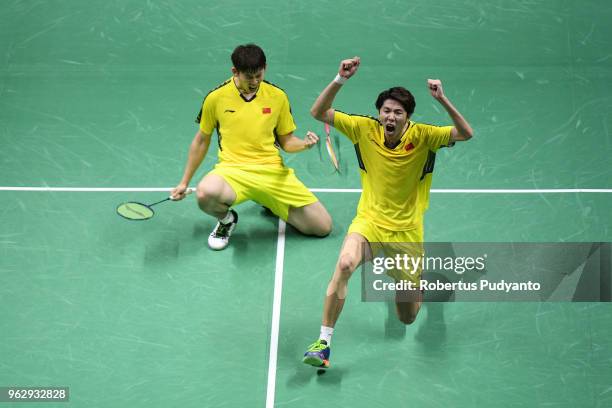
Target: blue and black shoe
x: 317, y: 354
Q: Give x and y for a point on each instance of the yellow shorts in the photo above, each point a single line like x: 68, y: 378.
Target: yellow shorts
x: 274, y: 187
x: 389, y: 243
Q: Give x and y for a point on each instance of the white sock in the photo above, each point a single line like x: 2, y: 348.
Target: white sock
x: 326, y: 334
x: 229, y: 217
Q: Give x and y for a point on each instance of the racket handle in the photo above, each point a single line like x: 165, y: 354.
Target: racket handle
x: 187, y: 192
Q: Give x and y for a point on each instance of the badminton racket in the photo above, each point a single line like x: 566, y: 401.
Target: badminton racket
x: 135, y: 211
x: 330, y: 149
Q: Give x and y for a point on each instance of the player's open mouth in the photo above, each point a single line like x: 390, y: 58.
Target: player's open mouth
x: 390, y: 128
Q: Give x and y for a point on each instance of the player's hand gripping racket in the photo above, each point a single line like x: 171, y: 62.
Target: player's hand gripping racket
x: 330, y: 149
x: 133, y: 210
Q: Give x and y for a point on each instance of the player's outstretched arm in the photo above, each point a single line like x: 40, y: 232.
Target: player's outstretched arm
x: 293, y: 144
x: 321, y: 109
x: 197, y: 151
x: 462, y: 130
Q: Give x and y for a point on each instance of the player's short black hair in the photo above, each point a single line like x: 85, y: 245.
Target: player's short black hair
x: 399, y: 94
x: 248, y: 58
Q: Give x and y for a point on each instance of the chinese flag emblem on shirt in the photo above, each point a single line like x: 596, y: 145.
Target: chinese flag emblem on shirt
x: 266, y: 110
x: 409, y: 147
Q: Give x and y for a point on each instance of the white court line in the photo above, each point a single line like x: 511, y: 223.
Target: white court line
x: 481, y: 190
x: 325, y: 190
x: 521, y: 190
x: 87, y: 189
x: 276, y: 309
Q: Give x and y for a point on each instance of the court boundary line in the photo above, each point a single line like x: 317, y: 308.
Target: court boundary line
x: 321, y: 190
x: 276, y: 309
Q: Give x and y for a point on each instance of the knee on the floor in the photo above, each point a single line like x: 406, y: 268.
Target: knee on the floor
x: 407, y: 318
x: 320, y: 228
x: 324, y: 228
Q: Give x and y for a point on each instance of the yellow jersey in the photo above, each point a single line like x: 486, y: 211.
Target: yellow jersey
x: 395, y: 182
x: 247, y: 129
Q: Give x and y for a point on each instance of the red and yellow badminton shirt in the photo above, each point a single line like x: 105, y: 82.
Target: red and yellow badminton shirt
x: 247, y: 130
x: 395, y: 182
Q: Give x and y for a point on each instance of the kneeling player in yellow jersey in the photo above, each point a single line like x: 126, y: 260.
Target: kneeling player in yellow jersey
x: 252, y: 118
x: 396, y: 158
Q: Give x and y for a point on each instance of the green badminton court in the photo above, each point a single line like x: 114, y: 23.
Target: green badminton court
x: 98, y: 101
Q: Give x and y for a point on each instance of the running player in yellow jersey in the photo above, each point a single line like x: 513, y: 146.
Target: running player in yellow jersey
x: 396, y: 158
x: 253, y: 119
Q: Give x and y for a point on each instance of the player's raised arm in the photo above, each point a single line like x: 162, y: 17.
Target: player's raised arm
x: 462, y: 130
x: 321, y: 109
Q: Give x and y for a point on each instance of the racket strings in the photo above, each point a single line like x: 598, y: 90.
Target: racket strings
x: 135, y: 211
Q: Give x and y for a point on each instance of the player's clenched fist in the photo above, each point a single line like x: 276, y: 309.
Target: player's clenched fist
x: 311, y: 139
x: 348, y: 67
x: 435, y: 88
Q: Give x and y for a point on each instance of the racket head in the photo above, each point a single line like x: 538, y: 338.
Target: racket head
x: 330, y: 149
x: 332, y: 154
x: 135, y: 211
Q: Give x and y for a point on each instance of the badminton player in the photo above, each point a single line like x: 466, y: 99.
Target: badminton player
x: 396, y: 159
x: 253, y: 119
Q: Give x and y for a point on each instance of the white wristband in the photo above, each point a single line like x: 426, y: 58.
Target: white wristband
x: 340, y: 79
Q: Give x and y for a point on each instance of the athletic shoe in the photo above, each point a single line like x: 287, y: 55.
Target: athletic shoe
x: 219, y: 238
x: 317, y: 354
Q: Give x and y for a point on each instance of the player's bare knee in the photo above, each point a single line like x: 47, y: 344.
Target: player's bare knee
x: 312, y: 220
x: 346, y: 266
x: 203, y: 200
x: 207, y: 196
x: 323, y: 227
x: 407, y: 318
x: 407, y: 312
